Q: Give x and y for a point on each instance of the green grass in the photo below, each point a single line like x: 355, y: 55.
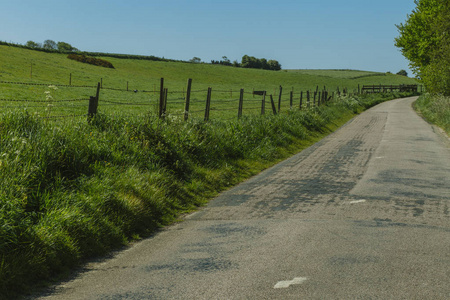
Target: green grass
x: 141, y: 75
x: 435, y: 109
x: 72, y: 190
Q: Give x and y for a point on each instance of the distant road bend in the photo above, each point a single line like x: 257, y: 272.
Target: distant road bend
x: 363, y: 214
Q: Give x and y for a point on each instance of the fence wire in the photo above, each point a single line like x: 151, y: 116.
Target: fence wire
x: 174, y: 101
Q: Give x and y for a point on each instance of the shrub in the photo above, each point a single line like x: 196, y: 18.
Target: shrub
x: 91, y: 60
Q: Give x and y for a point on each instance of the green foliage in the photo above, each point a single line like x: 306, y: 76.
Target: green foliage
x: 65, y: 47
x: 225, y: 61
x: 402, y: 73
x: 91, y: 60
x: 417, y: 38
x: 259, y: 63
x: 196, y: 60
x: 50, y: 45
x: 273, y: 65
x: 424, y: 41
x: 435, y: 109
x: 32, y: 44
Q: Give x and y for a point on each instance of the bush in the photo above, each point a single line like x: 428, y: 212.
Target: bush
x: 91, y: 60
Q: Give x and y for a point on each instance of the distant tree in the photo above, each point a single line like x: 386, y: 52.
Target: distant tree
x: 65, y: 47
x: 245, y: 62
x: 262, y: 63
x: 236, y: 64
x: 274, y: 65
x: 50, y: 45
x: 402, y: 73
x: 195, y: 60
x: 32, y: 44
x: 225, y: 61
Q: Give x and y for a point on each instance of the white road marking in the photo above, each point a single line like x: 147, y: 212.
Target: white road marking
x: 357, y: 201
x: 288, y: 283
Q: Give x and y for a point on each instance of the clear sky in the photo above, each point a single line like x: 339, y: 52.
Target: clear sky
x: 300, y: 34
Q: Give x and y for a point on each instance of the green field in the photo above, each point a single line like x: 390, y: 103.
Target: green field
x: 28, y: 66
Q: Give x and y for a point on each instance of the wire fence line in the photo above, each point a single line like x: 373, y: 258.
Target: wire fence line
x: 166, y: 101
x: 176, y: 103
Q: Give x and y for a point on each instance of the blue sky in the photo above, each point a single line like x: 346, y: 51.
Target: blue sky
x: 301, y: 34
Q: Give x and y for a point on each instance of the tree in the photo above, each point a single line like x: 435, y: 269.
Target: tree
x: 50, y: 45
x: 402, y: 73
x: 32, y: 44
x: 424, y: 40
x: 274, y: 65
x: 260, y: 63
x: 196, y: 60
x: 225, y: 61
x: 65, y: 47
x: 246, y: 62
x: 417, y: 38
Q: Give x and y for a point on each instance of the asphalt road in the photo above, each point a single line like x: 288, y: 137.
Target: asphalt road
x: 363, y: 214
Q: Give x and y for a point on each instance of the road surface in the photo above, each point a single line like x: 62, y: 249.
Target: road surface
x: 363, y: 214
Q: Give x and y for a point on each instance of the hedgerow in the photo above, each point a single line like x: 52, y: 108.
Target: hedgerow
x: 91, y: 60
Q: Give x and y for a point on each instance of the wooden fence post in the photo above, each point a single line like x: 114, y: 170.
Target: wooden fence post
x: 263, y: 104
x: 166, y: 92
x: 308, y: 100
x: 208, y: 104
x: 274, y: 109
x: 93, y: 104
x: 161, y: 98
x: 301, y: 100
x: 291, y: 99
x: 92, y: 110
x: 70, y: 79
x: 188, y: 99
x: 279, y: 98
x: 127, y: 86
x: 241, y: 103
x: 97, y: 94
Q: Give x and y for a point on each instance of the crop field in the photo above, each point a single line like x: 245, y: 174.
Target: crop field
x: 53, y: 86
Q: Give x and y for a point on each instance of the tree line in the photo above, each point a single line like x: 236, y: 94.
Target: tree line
x: 63, y: 47
x: 52, y: 45
x: 250, y: 62
x: 424, y: 39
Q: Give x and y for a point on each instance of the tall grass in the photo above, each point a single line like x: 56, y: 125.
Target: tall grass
x: 435, y: 109
x: 72, y: 190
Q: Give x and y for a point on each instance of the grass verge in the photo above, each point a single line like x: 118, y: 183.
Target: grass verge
x: 435, y: 109
x: 73, y: 190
